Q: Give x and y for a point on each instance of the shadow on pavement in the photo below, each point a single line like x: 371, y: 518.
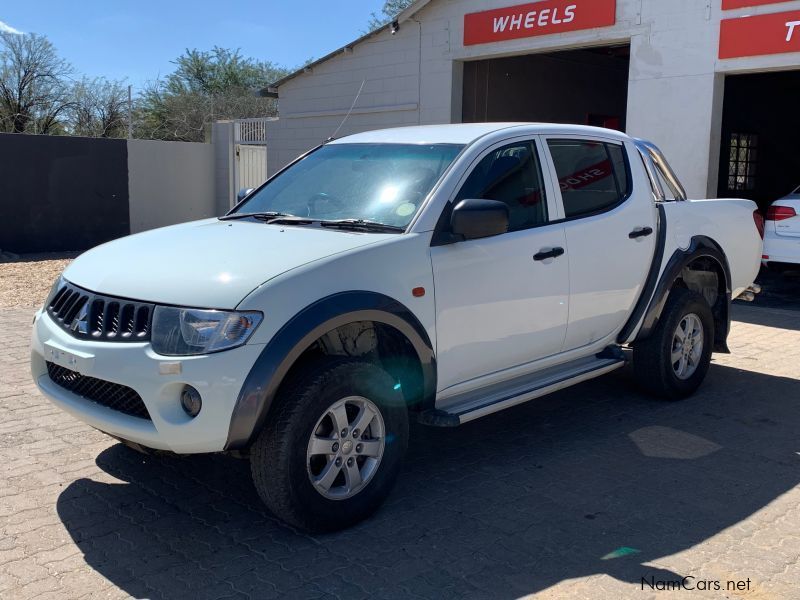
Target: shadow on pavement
x: 595, y: 479
x: 780, y: 289
x: 776, y: 318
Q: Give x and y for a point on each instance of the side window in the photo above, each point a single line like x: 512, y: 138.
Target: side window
x: 593, y: 176
x: 621, y: 172
x: 511, y: 174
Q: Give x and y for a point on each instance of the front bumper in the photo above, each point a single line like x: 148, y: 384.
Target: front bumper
x: 218, y: 377
x: 781, y: 248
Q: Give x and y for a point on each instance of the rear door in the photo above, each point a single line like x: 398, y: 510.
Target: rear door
x: 610, y: 230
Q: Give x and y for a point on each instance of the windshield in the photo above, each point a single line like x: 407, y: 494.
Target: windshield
x: 385, y: 183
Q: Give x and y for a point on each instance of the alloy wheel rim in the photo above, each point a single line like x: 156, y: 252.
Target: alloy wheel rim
x: 345, y: 448
x: 687, y: 346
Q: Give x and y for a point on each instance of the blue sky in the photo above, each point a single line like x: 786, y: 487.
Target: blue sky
x: 137, y: 40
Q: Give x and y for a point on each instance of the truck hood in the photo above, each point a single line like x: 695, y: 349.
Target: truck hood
x: 206, y: 264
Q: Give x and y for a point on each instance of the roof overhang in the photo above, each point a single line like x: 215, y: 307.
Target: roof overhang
x: 271, y: 91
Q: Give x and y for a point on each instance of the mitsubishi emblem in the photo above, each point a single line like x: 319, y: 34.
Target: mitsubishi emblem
x: 81, y: 323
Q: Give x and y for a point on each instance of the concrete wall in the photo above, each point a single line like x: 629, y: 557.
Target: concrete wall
x: 73, y: 193
x: 61, y: 193
x: 222, y: 138
x: 169, y: 182
x: 672, y: 87
x: 676, y: 88
x: 674, y: 94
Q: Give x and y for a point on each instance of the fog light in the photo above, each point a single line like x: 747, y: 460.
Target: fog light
x: 191, y: 401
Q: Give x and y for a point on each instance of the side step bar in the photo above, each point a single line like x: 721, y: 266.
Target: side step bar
x: 479, y: 403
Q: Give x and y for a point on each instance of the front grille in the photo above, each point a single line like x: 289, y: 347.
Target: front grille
x: 91, y: 316
x: 113, y: 395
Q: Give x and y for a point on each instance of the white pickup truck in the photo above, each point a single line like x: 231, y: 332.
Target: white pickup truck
x: 437, y: 273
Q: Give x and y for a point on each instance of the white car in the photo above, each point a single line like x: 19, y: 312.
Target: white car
x: 782, y: 232
x: 438, y: 273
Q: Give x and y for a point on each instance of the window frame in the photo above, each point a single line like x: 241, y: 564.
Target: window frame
x: 590, y: 139
x: 652, y: 177
x: 442, y: 235
x: 750, y: 164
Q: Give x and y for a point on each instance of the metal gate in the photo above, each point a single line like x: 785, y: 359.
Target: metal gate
x: 251, y: 165
x: 250, y: 146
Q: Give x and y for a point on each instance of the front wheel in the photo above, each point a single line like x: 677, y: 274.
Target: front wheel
x: 674, y: 360
x: 333, y: 445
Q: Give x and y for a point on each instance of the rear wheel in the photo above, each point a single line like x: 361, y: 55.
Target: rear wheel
x: 674, y: 360
x: 333, y: 446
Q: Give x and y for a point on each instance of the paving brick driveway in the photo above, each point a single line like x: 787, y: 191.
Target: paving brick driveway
x: 579, y: 495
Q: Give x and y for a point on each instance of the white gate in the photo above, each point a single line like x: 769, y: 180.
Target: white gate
x: 250, y: 146
x: 251, y: 165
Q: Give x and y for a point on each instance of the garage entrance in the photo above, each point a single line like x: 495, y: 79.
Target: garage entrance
x: 587, y: 87
x: 759, y: 154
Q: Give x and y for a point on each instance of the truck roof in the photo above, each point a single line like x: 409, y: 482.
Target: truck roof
x: 467, y: 133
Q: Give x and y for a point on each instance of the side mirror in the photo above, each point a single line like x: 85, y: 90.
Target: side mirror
x: 243, y: 193
x: 473, y: 219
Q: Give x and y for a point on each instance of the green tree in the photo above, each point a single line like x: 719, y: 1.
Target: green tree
x: 99, y: 108
x: 390, y: 9
x: 206, y: 86
x: 35, y: 84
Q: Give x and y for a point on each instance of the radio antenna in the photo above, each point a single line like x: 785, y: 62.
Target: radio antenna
x: 352, y: 106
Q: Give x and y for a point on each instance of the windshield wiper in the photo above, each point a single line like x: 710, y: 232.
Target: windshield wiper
x: 362, y: 225
x: 290, y: 220
x: 265, y: 216
x: 279, y: 218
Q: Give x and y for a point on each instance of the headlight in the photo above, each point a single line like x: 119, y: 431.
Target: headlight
x: 185, y: 331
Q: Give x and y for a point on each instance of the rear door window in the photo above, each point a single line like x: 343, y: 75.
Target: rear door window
x: 593, y: 176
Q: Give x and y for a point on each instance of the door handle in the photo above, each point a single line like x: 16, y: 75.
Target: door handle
x: 545, y: 254
x: 640, y: 232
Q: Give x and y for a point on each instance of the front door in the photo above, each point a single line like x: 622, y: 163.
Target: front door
x: 496, y: 306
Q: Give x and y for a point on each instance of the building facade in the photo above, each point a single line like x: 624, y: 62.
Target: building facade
x: 715, y: 83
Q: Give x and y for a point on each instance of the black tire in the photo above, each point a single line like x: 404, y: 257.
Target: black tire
x: 278, y: 459
x: 652, y: 363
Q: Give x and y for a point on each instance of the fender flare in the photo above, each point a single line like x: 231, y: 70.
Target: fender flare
x: 280, y: 353
x: 700, y: 247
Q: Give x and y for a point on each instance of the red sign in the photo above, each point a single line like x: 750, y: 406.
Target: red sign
x: 537, y: 18
x: 732, y: 4
x: 774, y: 33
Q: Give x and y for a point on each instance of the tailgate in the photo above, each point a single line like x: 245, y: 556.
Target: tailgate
x: 785, y: 224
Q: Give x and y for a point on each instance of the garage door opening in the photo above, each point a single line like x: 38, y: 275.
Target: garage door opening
x: 586, y: 87
x: 759, y: 154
